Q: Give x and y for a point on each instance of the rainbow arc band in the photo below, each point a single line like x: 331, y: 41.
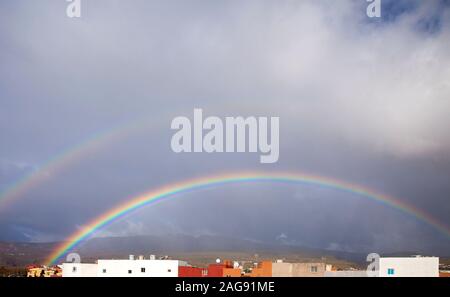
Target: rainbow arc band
x: 72, y: 155
x: 59, y: 163
x: 187, y: 186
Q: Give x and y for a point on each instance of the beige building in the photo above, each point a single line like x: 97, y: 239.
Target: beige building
x: 43, y: 271
x: 346, y: 273
x: 282, y: 269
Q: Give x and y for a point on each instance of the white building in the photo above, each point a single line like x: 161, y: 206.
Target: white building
x: 138, y: 268
x: 397, y: 267
x: 79, y: 270
x: 124, y: 268
x: 409, y: 267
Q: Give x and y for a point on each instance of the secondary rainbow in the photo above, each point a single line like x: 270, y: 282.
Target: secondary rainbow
x: 71, y: 155
x: 240, y: 177
x: 52, y: 167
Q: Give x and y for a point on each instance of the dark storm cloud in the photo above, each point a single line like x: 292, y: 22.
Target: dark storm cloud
x: 361, y: 100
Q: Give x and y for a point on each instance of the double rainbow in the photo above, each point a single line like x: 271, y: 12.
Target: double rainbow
x: 171, y: 190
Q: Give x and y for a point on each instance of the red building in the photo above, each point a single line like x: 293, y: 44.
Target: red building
x: 214, y: 270
x: 188, y: 271
x: 224, y: 269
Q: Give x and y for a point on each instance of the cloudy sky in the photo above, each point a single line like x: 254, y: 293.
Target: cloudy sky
x: 362, y: 100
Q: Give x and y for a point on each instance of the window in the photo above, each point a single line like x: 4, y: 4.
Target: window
x: 130, y: 271
x: 104, y: 270
x: 143, y: 269
x: 74, y: 269
x: 390, y: 271
x: 313, y: 268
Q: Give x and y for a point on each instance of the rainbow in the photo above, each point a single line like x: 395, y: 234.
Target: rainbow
x: 170, y: 190
x: 53, y: 166
x: 66, y: 158
x: 71, y: 155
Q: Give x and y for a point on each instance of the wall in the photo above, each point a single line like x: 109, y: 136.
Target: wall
x: 79, y: 270
x: 298, y: 269
x: 410, y: 267
x: 349, y: 273
x: 153, y: 268
x: 231, y: 272
x: 264, y: 269
x: 444, y: 274
x: 215, y: 270
x: 187, y: 271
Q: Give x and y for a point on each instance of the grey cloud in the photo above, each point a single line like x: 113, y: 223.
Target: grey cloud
x: 362, y: 100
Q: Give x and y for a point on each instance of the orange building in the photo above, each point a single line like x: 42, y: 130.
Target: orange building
x: 232, y: 272
x: 262, y: 269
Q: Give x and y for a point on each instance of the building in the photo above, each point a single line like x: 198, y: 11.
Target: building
x: 35, y: 271
x: 409, y: 267
x: 43, y: 271
x: 189, y: 271
x: 388, y: 267
x: 346, y: 273
x: 124, y: 268
x: 282, y: 269
x: 262, y: 269
x: 215, y: 270
x: 444, y: 273
x: 397, y: 267
x: 232, y: 272
x: 137, y: 268
x: 225, y: 269
x: 79, y: 270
